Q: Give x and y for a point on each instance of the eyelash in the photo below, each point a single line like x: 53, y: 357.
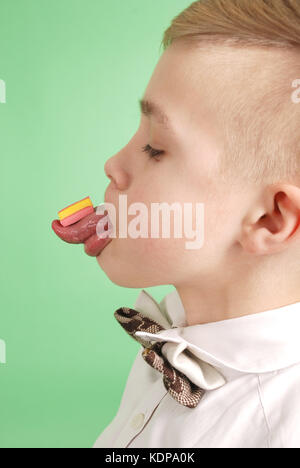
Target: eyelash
x: 152, y: 151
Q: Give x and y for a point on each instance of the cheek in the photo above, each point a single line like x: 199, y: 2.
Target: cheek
x: 149, y: 254
x: 220, y: 227
x: 140, y: 263
x: 155, y: 252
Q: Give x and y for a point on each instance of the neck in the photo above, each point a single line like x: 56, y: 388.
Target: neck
x: 212, y: 300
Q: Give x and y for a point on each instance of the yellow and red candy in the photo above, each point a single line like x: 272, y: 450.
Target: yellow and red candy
x: 75, y: 212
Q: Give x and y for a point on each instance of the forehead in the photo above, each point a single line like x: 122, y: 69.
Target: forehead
x: 173, y: 86
x: 195, y: 79
x: 187, y: 82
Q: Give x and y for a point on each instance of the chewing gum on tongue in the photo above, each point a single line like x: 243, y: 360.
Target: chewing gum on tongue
x: 75, y: 212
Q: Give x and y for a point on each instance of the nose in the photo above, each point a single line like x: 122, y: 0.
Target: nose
x: 116, y: 173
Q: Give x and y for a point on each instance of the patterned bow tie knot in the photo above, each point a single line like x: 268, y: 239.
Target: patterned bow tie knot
x: 170, y: 359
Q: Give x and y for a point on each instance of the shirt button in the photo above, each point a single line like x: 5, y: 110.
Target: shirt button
x: 138, y: 421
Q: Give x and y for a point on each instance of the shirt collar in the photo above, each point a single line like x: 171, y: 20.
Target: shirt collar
x: 256, y: 343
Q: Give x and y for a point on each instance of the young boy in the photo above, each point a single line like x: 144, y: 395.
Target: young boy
x: 221, y: 125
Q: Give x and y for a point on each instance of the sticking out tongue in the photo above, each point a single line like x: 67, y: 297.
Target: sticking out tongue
x: 84, y: 232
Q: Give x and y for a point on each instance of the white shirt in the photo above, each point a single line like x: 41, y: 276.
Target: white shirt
x: 256, y: 406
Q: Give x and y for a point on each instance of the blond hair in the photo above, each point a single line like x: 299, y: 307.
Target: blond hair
x: 262, y: 141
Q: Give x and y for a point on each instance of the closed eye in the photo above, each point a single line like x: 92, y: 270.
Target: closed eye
x: 152, y: 151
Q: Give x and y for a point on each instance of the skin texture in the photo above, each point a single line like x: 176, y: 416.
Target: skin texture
x: 248, y: 263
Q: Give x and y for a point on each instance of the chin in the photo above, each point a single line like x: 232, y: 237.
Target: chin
x: 122, y: 277
x: 122, y: 271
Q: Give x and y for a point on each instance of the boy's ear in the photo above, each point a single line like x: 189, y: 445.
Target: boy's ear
x: 274, y: 223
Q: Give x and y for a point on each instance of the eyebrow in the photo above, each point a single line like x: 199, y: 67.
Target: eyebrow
x: 151, y: 109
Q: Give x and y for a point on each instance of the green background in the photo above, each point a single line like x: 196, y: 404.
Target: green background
x: 74, y: 71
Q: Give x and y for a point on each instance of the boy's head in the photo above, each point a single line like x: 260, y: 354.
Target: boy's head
x: 230, y: 140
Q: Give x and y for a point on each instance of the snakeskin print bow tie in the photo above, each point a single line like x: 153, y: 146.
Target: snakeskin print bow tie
x: 176, y: 383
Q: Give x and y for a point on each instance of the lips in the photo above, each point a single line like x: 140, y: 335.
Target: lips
x: 86, y: 232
